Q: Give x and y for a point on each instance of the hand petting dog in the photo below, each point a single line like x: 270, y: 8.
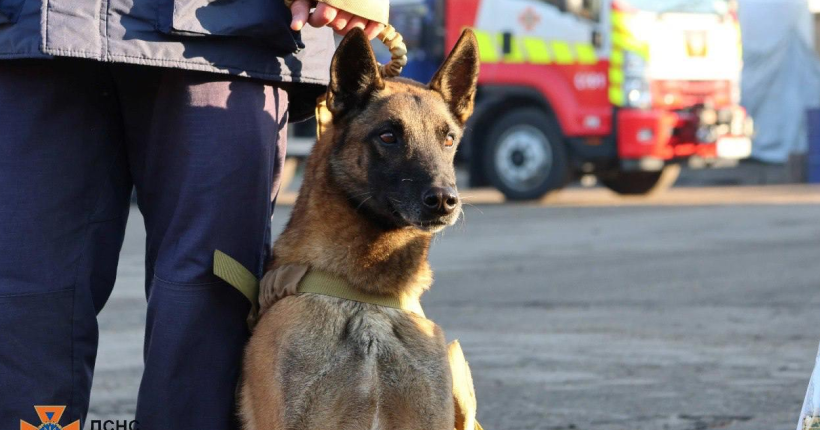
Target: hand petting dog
x: 339, y: 20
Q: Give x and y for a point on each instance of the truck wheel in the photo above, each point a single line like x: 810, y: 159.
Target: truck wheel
x: 641, y: 183
x: 524, y: 156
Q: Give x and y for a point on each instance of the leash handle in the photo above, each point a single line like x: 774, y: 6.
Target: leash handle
x: 398, y: 59
x: 398, y: 51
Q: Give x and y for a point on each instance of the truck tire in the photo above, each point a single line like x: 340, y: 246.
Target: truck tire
x: 641, y: 183
x: 524, y: 155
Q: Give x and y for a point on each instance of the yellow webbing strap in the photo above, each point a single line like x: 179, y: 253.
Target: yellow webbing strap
x: 314, y: 282
x: 235, y: 274
x: 326, y: 284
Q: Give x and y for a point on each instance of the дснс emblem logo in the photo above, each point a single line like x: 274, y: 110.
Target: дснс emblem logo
x: 50, y: 419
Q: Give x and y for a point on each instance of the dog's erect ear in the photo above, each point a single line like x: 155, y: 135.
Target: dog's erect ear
x: 354, y: 73
x: 456, y: 79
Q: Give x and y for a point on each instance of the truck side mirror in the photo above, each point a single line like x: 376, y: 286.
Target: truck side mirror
x: 597, y: 40
x: 506, y: 43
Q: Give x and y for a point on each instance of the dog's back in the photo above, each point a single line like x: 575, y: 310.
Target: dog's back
x: 378, y: 184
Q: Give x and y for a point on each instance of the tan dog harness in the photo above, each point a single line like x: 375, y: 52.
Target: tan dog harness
x: 290, y: 280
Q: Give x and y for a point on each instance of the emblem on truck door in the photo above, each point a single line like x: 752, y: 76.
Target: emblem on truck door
x: 529, y: 18
x: 696, y: 45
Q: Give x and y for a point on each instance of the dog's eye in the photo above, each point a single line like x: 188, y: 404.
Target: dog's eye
x: 449, y: 141
x: 388, y: 138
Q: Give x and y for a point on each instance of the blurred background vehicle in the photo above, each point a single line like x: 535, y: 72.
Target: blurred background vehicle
x: 624, y: 92
x: 619, y: 89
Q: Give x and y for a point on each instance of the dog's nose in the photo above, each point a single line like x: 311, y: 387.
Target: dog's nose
x: 441, y: 200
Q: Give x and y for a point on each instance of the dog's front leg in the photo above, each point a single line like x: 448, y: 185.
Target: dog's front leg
x: 463, y: 390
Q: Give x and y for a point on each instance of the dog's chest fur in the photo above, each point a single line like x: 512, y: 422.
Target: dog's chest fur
x: 381, y: 368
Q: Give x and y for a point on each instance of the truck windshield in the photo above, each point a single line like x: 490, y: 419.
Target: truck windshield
x: 719, y: 7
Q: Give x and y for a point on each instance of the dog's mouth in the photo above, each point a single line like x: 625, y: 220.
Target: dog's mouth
x: 431, y: 226
x: 414, y: 220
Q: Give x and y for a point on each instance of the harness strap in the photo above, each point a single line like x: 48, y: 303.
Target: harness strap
x: 235, y: 274
x: 314, y: 282
x: 326, y: 284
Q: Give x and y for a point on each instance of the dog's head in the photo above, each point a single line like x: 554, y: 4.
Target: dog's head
x: 395, y: 139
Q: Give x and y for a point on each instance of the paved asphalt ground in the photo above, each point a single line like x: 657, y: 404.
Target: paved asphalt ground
x: 592, y: 312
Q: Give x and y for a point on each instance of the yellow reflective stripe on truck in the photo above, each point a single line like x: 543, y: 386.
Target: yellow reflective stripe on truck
x: 616, y: 76
x: 623, y: 40
x: 619, y: 21
x: 487, y: 51
x: 533, y: 50
x: 516, y: 54
x: 586, y: 53
x: 537, y: 51
x: 616, y: 58
x: 620, y: 28
x: 629, y: 43
x: 616, y: 95
x: 562, y: 51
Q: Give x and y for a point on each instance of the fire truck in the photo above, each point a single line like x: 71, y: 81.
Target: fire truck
x: 625, y: 90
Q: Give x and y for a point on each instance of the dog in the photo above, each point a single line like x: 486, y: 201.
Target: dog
x: 378, y: 185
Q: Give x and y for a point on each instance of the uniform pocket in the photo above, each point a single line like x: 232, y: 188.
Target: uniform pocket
x: 10, y: 11
x: 264, y: 21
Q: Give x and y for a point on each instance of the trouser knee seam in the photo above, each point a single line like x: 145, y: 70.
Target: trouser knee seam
x: 186, y: 285
x: 39, y: 293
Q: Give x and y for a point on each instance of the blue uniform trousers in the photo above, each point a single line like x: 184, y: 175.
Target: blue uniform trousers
x: 203, y: 152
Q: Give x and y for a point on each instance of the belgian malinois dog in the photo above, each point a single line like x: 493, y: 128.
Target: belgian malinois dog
x: 378, y: 185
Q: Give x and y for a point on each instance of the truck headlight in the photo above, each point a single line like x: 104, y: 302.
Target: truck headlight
x: 637, y: 92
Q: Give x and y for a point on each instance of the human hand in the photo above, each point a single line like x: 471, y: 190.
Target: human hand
x: 324, y: 15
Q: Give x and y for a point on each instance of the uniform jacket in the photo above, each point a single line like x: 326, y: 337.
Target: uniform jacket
x: 241, y: 37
